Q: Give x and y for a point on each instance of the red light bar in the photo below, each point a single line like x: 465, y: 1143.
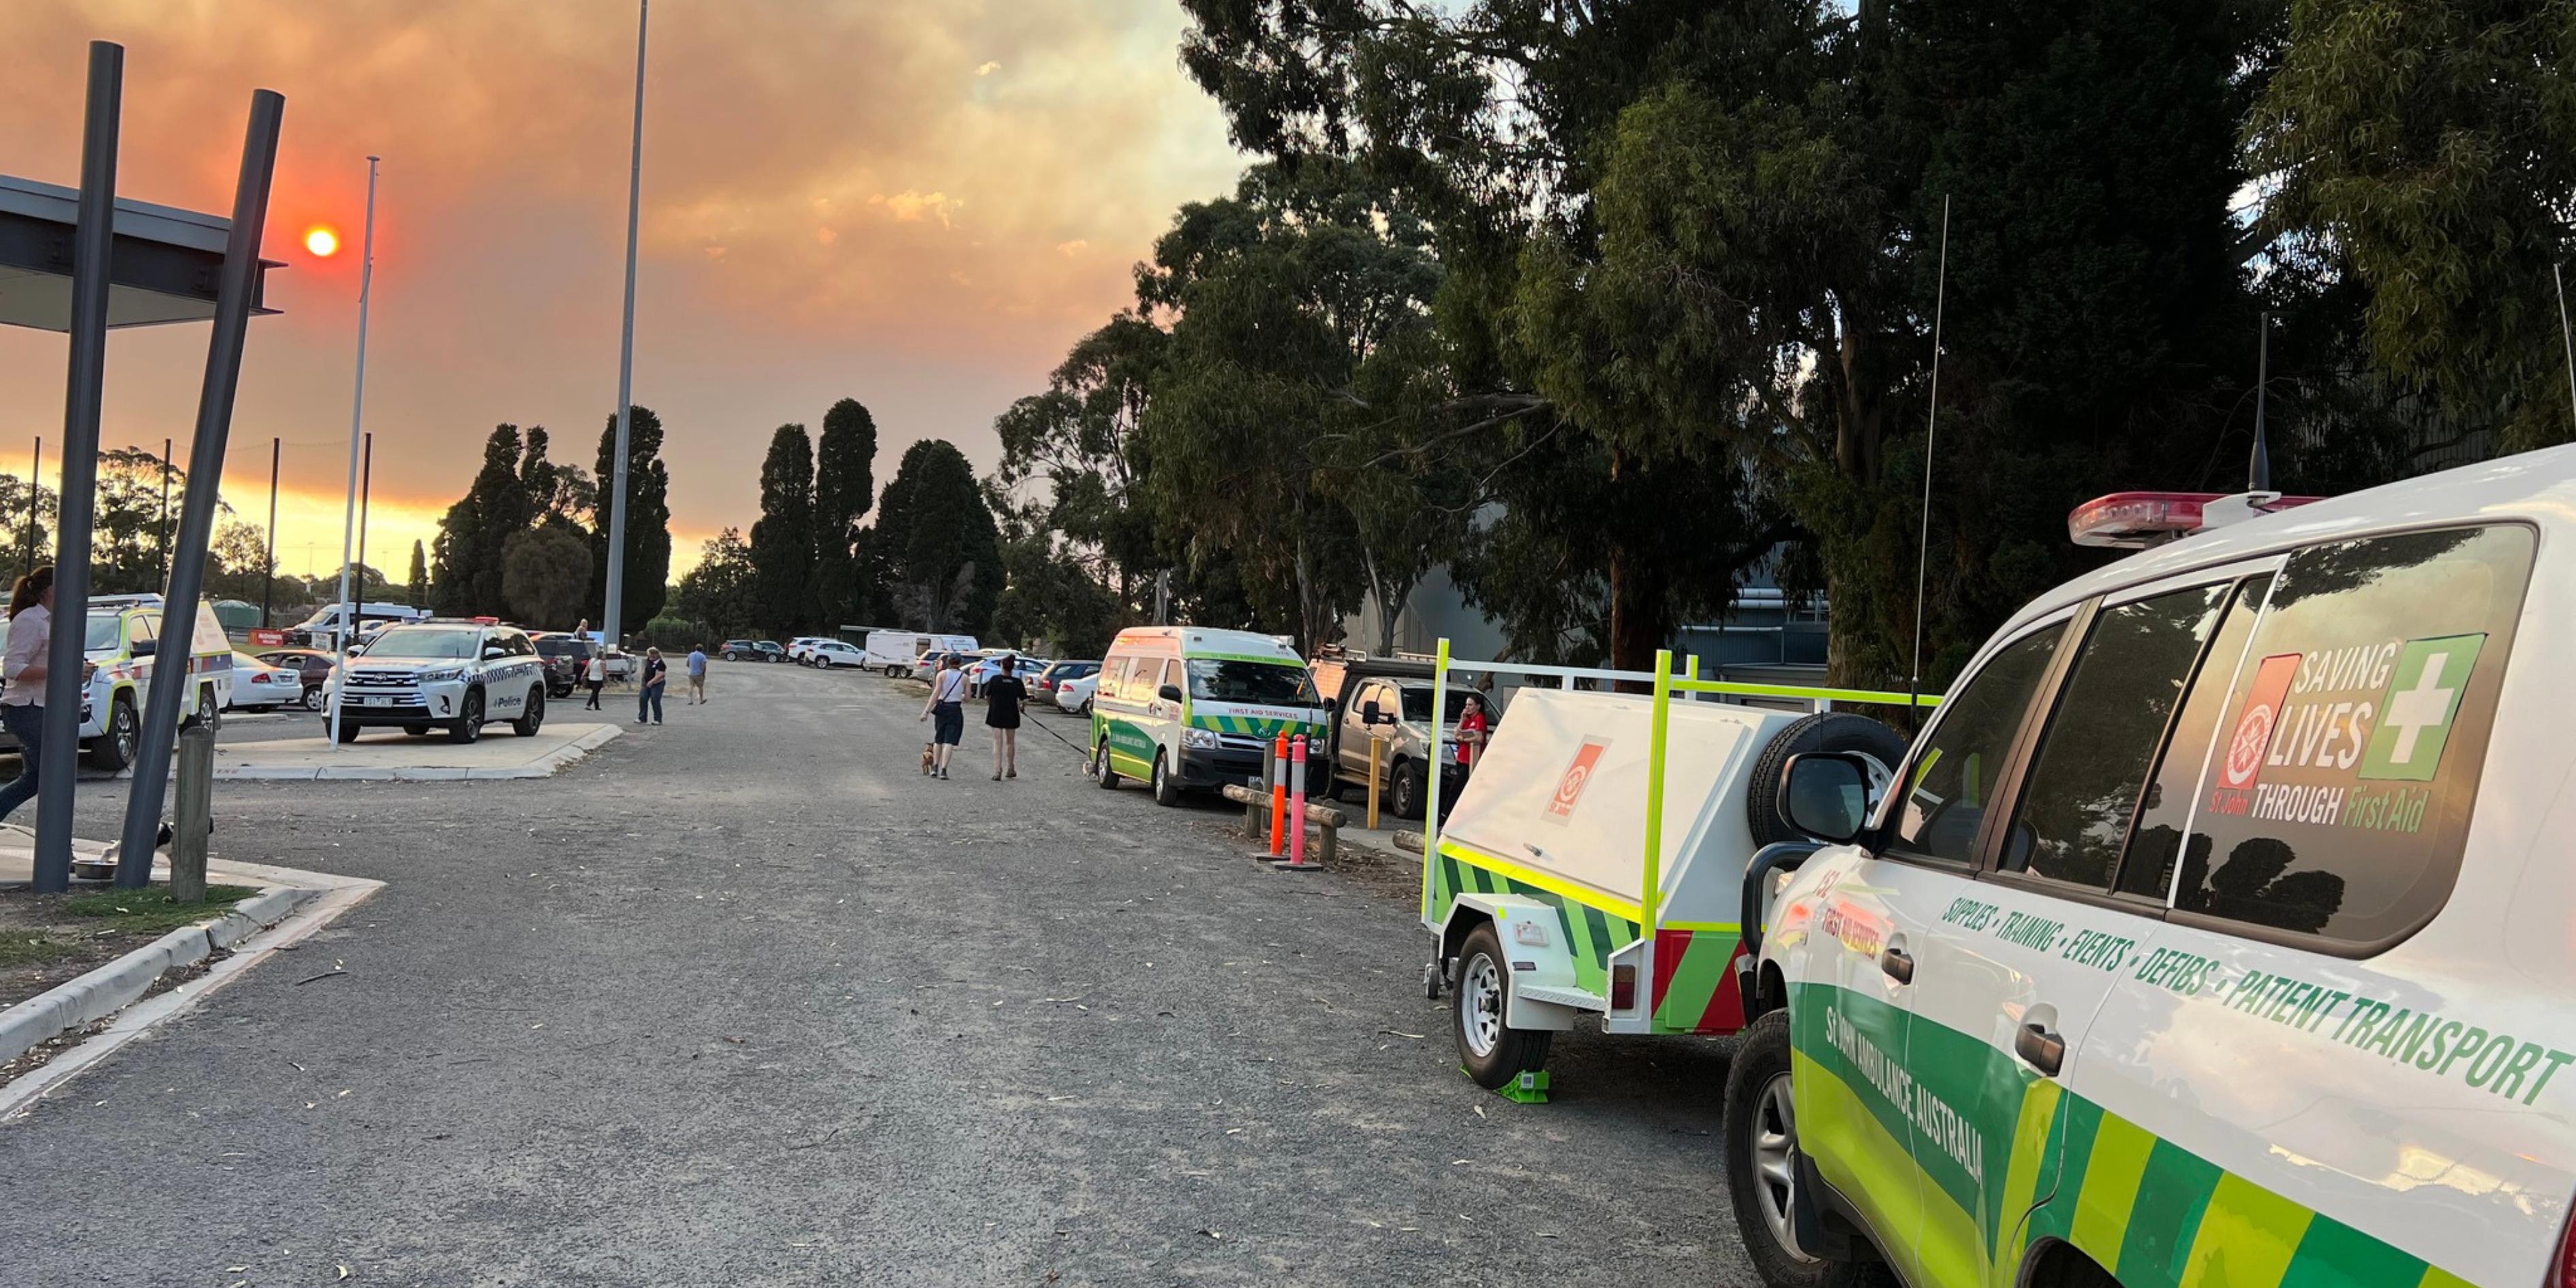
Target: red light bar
x: 2137, y: 520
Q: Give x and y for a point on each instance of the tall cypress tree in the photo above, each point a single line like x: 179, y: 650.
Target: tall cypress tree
x: 495, y: 507
x: 648, y: 518
x: 942, y: 552
x: 844, y: 488
x: 782, y: 543
x: 419, y: 576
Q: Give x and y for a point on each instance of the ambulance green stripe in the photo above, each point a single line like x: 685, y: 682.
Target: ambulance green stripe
x: 2335, y: 1255
x: 2172, y: 1195
x: 2247, y: 1236
x: 1597, y: 924
x: 2032, y: 1170
x: 2437, y: 1277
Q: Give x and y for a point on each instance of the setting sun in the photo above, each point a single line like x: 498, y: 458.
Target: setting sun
x: 321, y: 241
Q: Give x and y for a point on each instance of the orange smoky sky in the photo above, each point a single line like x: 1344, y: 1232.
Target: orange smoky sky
x: 918, y: 204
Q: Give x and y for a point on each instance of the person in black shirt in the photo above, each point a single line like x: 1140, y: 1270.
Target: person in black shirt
x: 649, y: 698
x: 1003, y: 695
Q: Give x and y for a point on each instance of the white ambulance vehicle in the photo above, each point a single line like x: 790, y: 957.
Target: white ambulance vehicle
x: 2221, y: 929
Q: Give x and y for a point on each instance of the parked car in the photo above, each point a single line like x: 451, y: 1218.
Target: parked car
x: 1042, y: 686
x: 1075, y: 694
x: 257, y: 686
x: 981, y: 673
x: 2228, y: 893
x: 823, y: 654
x: 800, y: 649
x: 567, y: 655
x: 751, y: 651
x: 312, y: 666
x: 1386, y: 703
x: 448, y: 675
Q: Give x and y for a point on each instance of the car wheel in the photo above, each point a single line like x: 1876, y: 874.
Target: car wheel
x: 1494, y: 1052
x: 1761, y: 1131
x: 315, y: 699
x: 1101, y: 773
x: 210, y: 713
x: 1086, y: 705
x: 1166, y: 792
x: 533, y: 716
x: 1407, y: 787
x: 416, y: 731
x: 730, y: 657
x: 114, y: 749
x: 469, y: 723
x: 349, y: 731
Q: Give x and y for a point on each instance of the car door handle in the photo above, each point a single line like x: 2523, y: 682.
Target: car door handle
x: 1897, y: 964
x: 2044, y: 1050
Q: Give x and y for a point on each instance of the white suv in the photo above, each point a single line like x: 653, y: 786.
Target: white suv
x: 443, y: 675
x: 2220, y: 933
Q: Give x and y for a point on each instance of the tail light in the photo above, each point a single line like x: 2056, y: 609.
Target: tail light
x: 1623, y: 988
x: 2563, y: 1269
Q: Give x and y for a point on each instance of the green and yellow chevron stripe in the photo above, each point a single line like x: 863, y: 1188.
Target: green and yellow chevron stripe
x: 1592, y: 933
x: 1980, y: 1141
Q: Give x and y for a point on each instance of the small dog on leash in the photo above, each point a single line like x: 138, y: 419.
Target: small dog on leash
x: 927, y: 755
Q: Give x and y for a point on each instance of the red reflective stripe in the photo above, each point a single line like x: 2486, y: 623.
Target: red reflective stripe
x: 1725, y: 1013
x: 1669, y: 947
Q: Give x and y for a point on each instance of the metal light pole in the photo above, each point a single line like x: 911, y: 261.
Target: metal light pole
x: 164, y: 551
x: 366, y: 482
x: 268, y: 575
x: 183, y: 596
x: 92, y: 236
x: 357, y: 409
x: 35, y: 492
x: 608, y: 623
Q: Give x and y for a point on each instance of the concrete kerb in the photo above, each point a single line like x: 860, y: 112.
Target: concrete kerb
x: 114, y: 986
x: 296, y: 904
x: 545, y: 766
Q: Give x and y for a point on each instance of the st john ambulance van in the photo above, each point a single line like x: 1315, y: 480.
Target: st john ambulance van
x: 1181, y: 707
x: 2217, y: 931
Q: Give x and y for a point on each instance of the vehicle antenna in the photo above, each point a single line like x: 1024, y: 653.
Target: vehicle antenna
x: 1931, y: 430
x: 2258, y: 476
x: 2565, y: 335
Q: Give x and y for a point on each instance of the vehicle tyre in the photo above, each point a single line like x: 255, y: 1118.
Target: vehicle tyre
x: 114, y: 749
x: 1761, y: 1132
x: 316, y: 700
x: 1407, y: 786
x: 349, y: 731
x: 1493, y: 1052
x: 731, y: 656
x: 1086, y: 706
x: 1823, y: 731
x: 1166, y: 792
x: 210, y: 713
x: 468, y: 726
x: 533, y: 716
x: 1101, y: 773
x: 416, y: 731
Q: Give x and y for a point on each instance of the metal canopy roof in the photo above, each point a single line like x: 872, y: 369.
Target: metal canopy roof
x: 164, y: 268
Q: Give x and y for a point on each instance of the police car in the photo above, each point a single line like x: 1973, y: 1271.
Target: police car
x: 451, y: 675
x: 2216, y: 931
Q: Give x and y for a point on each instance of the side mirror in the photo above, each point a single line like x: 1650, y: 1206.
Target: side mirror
x: 491, y: 651
x: 1332, y: 706
x: 146, y: 648
x: 1169, y: 693
x: 1372, y: 713
x: 1825, y: 794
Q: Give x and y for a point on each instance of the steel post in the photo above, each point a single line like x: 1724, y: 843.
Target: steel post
x: 92, y: 238
x: 234, y: 291
x: 610, y: 625
x: 357, y: 409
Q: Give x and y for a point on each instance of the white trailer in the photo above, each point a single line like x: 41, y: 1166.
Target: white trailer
x: 1596, y: 859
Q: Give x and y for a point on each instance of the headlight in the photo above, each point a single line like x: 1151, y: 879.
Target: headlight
x: 1202, y: 739
x: 443, y: 675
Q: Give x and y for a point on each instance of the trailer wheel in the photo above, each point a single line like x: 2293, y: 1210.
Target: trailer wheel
x: 1761, y: 1129
x: 1101, y: 773
x: 1493, y: 1052
x: 1823, y: 731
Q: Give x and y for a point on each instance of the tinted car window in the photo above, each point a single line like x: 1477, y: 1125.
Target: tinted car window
x: 1954, y: 774
x: 2147, y: 869
x: 2337, y: 799
x: 2093, y: 757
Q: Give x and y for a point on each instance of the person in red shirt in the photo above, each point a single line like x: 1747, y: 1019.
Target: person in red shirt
x: 1472, y: 727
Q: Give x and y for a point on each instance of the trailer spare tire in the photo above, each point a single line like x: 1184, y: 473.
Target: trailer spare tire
x: 1823, y: 731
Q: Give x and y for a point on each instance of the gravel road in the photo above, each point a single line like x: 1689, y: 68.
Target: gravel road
x: 745, y: 1000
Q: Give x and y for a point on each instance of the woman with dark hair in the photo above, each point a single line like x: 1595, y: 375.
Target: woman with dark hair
x: 22, y: 700
x: 1003, y: 695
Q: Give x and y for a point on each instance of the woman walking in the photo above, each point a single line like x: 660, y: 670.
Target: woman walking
x: 657, y: 673
x: 22, y: 702
x: 947, y: 701
x: 594, y: 677
x: 1003, y: 695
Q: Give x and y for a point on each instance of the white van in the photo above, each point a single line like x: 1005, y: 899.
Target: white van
x: 319, y: 630
x: 2216, y: 933
x: 1181, y: 707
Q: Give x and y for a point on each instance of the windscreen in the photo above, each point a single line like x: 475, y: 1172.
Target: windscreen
x: 102, y: 631
x: 426, y: 645
x: 1278, y: 684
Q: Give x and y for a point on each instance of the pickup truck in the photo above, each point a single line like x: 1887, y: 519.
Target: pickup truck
x: 1389, y: 701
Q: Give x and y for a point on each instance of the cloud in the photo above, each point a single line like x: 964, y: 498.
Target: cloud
x: 987, y: 69
x: 501, y: 233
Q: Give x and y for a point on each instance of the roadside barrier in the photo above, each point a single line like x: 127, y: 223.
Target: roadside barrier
x: 1277, y: 776
x: 1327, y: 821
